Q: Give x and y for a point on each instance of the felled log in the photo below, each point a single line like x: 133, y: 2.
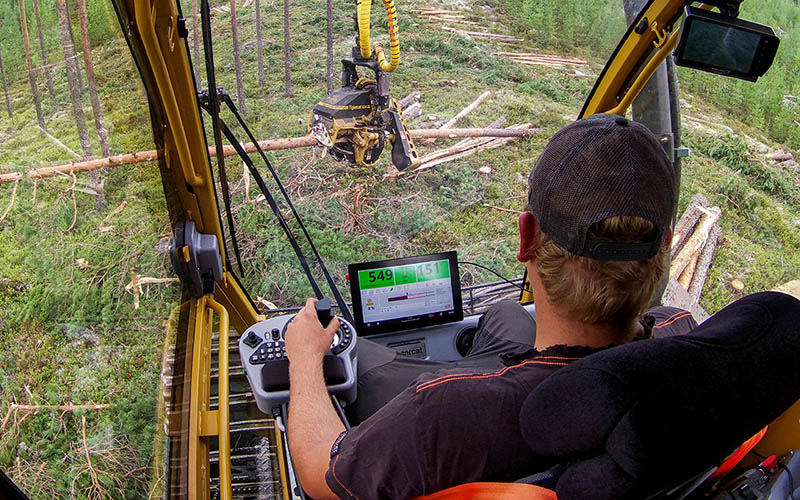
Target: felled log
x: 686, y: 224
x: 412, y: 111
x: 409, y: 99
x: 434, y: 12
x: 466, y: 149
x: 779, y: 156
x: 474, y: 132
x: 461, y: 114
x: 451, y: 19
x: 481, y: 34
x: 269, y: 145
x: 695, y: 243
x: 541, y: 59
x: 695, y: 288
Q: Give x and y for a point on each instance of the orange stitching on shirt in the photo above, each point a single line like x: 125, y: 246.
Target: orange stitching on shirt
x: 463, y: 374
x: 450, y: 378
x: 672, y: 319
x: 333, y: 471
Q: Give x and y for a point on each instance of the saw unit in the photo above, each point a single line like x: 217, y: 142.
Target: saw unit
x: 356, y: 121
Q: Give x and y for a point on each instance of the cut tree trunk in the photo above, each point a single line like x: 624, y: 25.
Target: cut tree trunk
x: 196, y: 47
x: 237, y: 61
x: 45, y: 64
x: 24, y: 26
x: 329, y: 40
x: 287, y: 56
x: 90, y: 80
x: 685, y: 226
x: 5, y: 87
x: 694, y: 244
x: 409, y: 99
x: 704, y: 264
x: 260, y: 46
x: 75, y: 96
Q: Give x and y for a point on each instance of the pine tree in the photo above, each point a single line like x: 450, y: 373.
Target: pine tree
x: 259, y: 45
x: 329, y: 39
x: 72, y: 39
x: 47, y: 72
x: 287, y: 57
x: 5, y: 88
x: 87, y: 59
x: 26, y: 41
x: 196, y: 47
x: 71, y: 63
x: 237, y: 62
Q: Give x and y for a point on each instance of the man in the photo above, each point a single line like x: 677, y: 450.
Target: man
x: 594, y: 241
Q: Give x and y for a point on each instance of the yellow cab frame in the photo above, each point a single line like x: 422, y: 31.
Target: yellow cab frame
x: 153, y: 31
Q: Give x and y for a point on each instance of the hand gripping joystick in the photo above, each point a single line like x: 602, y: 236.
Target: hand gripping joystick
x: 262, y: 349
x: 324, y: 315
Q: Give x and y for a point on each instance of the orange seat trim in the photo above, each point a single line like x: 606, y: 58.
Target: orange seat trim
x: 492, y: 491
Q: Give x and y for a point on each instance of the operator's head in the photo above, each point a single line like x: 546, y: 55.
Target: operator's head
x: 603, y: 195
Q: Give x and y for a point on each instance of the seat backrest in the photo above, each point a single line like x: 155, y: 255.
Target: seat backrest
x: 635, y: 419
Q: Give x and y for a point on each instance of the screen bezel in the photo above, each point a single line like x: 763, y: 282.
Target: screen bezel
x: 762, y: 59
x: 364, y: 330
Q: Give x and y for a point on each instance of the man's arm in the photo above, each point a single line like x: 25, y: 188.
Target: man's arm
x: 313, y: 423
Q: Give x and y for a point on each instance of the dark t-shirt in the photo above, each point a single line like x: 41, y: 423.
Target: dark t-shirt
x: 449, y: 427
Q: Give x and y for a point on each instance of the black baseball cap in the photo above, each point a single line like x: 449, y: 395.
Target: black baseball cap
x: 600, y: 167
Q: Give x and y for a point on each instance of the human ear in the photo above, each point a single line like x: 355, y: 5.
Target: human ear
x: 528, y: 236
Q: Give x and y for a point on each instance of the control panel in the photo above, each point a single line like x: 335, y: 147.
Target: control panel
x: 263, y: 353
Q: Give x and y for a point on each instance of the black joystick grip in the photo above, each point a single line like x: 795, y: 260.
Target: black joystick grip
x: 324, y: 311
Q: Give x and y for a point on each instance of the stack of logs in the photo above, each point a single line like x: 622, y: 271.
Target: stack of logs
x: 532, y: 59
x: 693, y: 245
x: 444, y: 16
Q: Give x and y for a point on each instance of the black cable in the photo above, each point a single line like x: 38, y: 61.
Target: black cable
x: 273, y: 205
x: 343, y: 308
x: 208, y: 50
x: 791, y: 479
x: 493, y: 272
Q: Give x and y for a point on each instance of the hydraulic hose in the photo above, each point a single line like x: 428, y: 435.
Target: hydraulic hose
x: 363, y: 8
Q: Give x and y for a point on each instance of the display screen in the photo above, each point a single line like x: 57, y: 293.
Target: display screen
x: 721, y: 46
x: 391, y: 294
x: 725, y: 45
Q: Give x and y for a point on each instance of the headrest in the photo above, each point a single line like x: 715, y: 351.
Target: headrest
x: 636, y: 418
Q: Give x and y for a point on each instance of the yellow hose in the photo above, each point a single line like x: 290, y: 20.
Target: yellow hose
x: 363, y: 8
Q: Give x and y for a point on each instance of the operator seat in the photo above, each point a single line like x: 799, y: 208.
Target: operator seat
x: 633, y: 421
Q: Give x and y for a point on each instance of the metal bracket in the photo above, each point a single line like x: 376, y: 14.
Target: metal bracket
x: 661, y: 35
x: 196, y: 259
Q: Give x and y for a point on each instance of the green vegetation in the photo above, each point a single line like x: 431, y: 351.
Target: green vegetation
x: 69, y: 332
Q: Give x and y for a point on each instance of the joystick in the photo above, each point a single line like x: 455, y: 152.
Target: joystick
x: 324, y: 315
x: 262, y: 349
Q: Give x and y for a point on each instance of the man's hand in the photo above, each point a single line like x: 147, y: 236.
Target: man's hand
x: 313, y: 423
x: 306, y: 339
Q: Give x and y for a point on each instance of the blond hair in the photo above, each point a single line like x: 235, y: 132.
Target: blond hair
x: 601, y: 291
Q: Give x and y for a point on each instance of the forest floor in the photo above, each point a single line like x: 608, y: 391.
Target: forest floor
x: 69, y: 331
